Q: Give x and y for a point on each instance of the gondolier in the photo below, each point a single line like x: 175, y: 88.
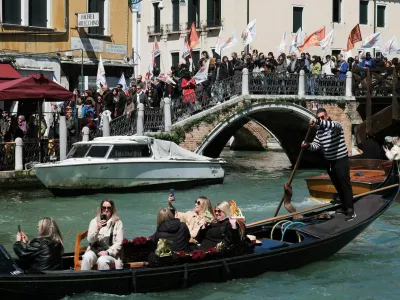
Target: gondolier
x: 330, y: 139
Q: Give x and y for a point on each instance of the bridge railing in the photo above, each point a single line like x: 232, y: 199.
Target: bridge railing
x: 153, y: 119
x: 123, y: 125
x: 325, y: 85
x: 273, y: 83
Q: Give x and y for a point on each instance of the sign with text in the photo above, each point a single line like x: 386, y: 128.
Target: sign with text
x: 88, y: 20
x: 89, y: 45
x: 116, y: 49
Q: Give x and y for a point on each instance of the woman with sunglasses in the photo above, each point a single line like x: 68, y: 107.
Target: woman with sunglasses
x: 223, y: 229
x: 195, y: 218
x: 105, y: 237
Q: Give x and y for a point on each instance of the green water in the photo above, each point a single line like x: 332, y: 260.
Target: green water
x: 368, y: 268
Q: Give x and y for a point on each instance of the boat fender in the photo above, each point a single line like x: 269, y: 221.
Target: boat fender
x: 134, y: 281
x: 185, y: 275
x: 359, y: 174
x: 226, y: 268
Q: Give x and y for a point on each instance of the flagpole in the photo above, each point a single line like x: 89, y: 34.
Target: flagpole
x: 248, y: 21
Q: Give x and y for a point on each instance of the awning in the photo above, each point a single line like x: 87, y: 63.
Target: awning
x: 7, y: 72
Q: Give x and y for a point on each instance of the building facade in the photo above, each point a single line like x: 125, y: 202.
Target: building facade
x: 170, y: 24
x: 43, y: 36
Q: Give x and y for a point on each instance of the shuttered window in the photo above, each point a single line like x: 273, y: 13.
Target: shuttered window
x: 157, y: 62
x: 12, y: 11
x: 193, y: 13
x: 337, y: 11
x: 38, y: 13
x: 364, y: 12
x: 175, y: 59
x: 175, y: 15
x: 156, y: 20
x: 97, y: 6
x: 380, y: 18
x: 213, y: 13
x: 196, y: 59
x: 297, y: 18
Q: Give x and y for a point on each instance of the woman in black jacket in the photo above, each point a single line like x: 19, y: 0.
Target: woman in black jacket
x: 45, y: 252
x: 172, y: 229
x: 223, y: 229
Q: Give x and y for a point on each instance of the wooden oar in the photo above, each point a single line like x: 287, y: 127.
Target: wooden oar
x: 289, y: 183
x: 318, y: 207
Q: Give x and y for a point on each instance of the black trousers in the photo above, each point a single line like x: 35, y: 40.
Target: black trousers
x: 339, y: 172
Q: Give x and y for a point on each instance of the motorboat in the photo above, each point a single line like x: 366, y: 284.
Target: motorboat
x: 282, y: 243
x: 128, y: 163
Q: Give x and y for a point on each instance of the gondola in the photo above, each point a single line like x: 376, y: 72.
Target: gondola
x: 310, y: 235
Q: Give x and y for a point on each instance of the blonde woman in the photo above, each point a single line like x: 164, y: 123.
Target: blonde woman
x: 394, y: 152
x: 45, y: 252
x: 105, y: 237
x: 223, y: 229
x: 194, y: 219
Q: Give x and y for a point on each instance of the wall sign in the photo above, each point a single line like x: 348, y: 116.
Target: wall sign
x: 88, y: 20
x: 116, y: 49
x: 89, y: 45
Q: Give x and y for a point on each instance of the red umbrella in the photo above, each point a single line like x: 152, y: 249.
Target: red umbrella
x: 34, y: 87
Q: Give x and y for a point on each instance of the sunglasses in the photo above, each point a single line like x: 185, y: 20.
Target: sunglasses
x: 321, y: 118
x: 197, y: 202
x: 217, y: 211
x: 106, y: 207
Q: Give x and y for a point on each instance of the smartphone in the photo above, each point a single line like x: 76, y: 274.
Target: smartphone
x: 103, y: 217
x: 19, y: 228
x: 172, y: 192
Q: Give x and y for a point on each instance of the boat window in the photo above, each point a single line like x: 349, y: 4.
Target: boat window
x: 98, y: 151
x: 78, y: 151
x: 128, y: 151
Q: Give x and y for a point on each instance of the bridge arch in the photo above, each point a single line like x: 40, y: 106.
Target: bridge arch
x: 288, y: 122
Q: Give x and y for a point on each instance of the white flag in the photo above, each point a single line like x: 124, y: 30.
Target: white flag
x: 373, y: 41
x: 297, y: 41
x: 122, y: 82
x: 202, y: 74
x: 219, y: 42
x: 252, y: 28
x: 232, y: 41
x: 249, y: 33
x: 186, y: 51
x: 101, y: 74
x: 327, y: 41
x: 282, y: 45
x: 391, y: 47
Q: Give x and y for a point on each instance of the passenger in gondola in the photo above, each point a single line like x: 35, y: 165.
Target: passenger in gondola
x: 172, y: 229
x: 194, y: 219
x: 105, y: 237
x: 394, y: 152
x: 45, y: 252
x: 223, y: 230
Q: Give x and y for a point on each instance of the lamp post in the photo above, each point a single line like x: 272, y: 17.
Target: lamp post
x: 248, y: 21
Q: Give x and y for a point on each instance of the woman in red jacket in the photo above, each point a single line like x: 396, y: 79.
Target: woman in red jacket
x: 189, y: 96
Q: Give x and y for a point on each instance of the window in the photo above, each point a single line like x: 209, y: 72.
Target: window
x: 12, y: 11
x: 193, y: 13
x: 175, y: 15
x: 336, y: 53
x: 380, y: 16
x: 337, y: 11
x: 98, y: 151
x: 38, y: 13
x: 157, y: 63
x: 129, y: 151
x: 157, y: 18
x: 175, y: 59
x: 364, y: 12
x: 97, y: 6
x: 78, y: 151
x: 213, y: 13
x: 297, y: 18
x: 196, y: 59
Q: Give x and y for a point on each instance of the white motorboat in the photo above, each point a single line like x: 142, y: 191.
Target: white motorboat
x: 128, y: 163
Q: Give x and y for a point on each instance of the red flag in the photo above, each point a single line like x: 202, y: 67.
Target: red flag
x: 193, y: 37
x: 156, y: 49
x: 313, y: 39
x: 354, y: 37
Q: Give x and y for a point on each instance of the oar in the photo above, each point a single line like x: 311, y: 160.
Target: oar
x: 289, y: 183
x: 319, y: 206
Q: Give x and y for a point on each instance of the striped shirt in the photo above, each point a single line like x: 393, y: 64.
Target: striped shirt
x: 330, y: 139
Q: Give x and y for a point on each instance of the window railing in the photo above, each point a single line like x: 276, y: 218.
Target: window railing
x: 197, y: 23
x: 155, y: 30
x: 174, y: 27
x: 214, y: 23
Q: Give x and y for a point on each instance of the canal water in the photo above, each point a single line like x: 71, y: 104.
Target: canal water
x: 368, y: 268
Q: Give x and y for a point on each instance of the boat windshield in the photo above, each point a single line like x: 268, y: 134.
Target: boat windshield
x: 98, y: 151
x: 78, y: 151
x: 129, y: 151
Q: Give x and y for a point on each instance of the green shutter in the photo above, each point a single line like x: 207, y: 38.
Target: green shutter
x: 12, y: 11
x: 297, y: 18
x: 97, y: 6
x: 380, y: 22
x: 191, y: 13
x: 175, y: 15
x: 363, y: 12
x: 210, y: 13
x: 157, y: 62
x: 175, y: 59
x: 157, y: 21
x: 38, y: 13
x: 336, y: 11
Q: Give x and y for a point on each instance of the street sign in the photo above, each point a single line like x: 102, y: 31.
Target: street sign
x: 88, y: 20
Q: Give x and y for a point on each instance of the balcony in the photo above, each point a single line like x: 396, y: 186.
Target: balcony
x: 213, y: 24
x: 197, y: 23
x: 155, y: 30
x: 173, y: 28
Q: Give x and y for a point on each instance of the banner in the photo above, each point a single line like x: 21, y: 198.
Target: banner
x: 282, y: 45
x: 219, y: 42
x: 390, y: 47
x: 122, y: 82
x: 327, y: 41
x: 297, y: 41
x: 230, y: 42
x: 101, y: 74
x: 372, y: 41
x: 249, y: 33
x: 186, y: 51
x: 202, y: 74
x: 193, y: 37
x: 354, y: 37
x: 156, y: 49
x: 313, y: 39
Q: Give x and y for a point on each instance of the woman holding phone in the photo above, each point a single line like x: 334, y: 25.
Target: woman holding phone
x: 43, y: 253
x: 105, y: 237
x: 194, y: 219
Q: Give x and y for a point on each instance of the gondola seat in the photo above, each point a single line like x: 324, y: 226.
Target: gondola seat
x: 268, y: 244
x: 79, y: 251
